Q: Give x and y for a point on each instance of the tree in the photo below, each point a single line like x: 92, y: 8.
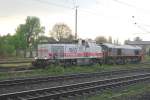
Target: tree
x: 126, y: 41
x: 33, y: 29
x: 20, y: 39
x: 137, y: 39
x: 100, y: 39
x: 61, y: 32
x: 29, y: 32
x: 6, y: 46
x: 26, y: 37
x: 46, y: 39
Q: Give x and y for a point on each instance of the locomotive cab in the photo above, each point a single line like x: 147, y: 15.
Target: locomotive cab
x: 109, y: 52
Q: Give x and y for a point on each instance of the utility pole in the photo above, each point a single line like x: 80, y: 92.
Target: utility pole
x: 76, y: 22
x: 76, y: 18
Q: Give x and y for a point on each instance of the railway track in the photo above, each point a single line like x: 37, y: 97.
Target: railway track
x: 32, y: 80
x: 16, y: 70
x: 15, y: 65
x: 24, y: 83
x: 14, y: 62
x: 17, y: 85
x: 59, y: 92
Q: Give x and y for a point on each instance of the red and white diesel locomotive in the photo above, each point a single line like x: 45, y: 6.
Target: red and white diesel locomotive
x: 81, y: 52
x: 85, y: 52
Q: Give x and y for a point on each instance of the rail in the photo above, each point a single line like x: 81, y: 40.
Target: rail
x: 56, y: 93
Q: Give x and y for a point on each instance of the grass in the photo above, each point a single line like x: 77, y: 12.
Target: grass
x: 130, y: 91
x: 146, y: 58
x: 59, y: 70
x: 14, y: 58
x: 15, y: 62
x: 106, y: 95
x: 15, y: 65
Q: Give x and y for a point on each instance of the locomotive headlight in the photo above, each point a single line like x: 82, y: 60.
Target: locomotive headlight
x: 45, y: 58
x: 35, y: 57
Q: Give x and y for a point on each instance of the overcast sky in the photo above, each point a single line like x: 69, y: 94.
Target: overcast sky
x: 114, y: 18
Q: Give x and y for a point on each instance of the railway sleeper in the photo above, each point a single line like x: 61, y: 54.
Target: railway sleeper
x: 86, y: 89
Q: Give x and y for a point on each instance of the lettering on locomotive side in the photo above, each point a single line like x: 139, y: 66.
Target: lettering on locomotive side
x: 73, y: 49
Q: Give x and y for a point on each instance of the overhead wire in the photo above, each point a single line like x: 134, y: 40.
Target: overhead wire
x: 53, y: 4
x: 81, y: 10
x: 138, y: 25
x: 131, y: 5
x: 74, y: 3
x: 142, y: 28
x: 124, y: 3
x: 48, y: 3
x: 69, y: 7
x: 146, y: 25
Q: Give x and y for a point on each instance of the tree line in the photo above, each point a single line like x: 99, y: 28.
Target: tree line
x: 28, y: 35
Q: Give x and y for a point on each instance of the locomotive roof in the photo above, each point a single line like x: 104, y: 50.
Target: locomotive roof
x: 56, y: 42
x: 121, y: 46
x: 69, y: 42
x: 129, y: 47
x: 109, y: 45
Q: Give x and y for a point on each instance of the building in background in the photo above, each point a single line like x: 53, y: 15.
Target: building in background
x: 144, y: 44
